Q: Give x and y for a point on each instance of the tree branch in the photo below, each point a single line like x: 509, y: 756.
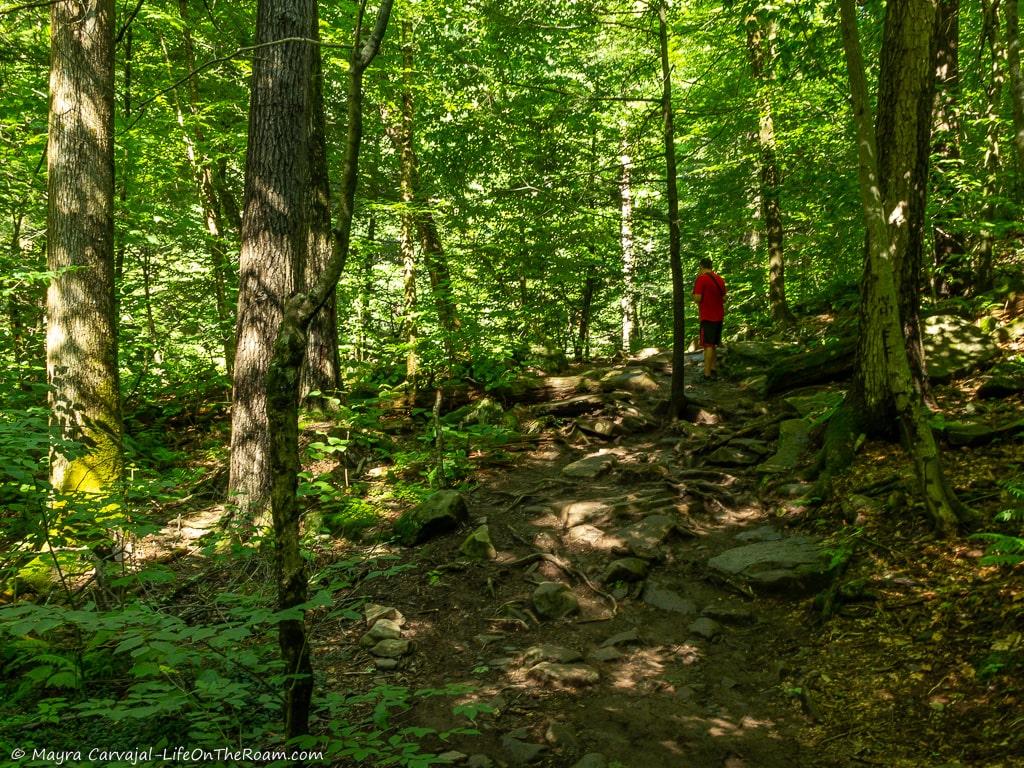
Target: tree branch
x: 370, y: 48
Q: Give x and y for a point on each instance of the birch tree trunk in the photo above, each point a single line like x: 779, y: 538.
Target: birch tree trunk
x: 81, y: 332
x: 627, y: 246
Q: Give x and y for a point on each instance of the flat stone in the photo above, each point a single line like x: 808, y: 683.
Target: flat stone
x: 727, y: 456
x: 547, y: 652
x: 385, y: 664
x: 452, y: 757
x: 626, y: 569
x: 644, y: 537
x: 521, y: 752
x: 579, y: 512
x: 592, y: 537
x: 797, y: 563
x: 592, y: 760
x: 954, y: 346
x: 667, y: 600
x: 391, y: 649
x: 761, y: 533
x: 600, y: 427
x: 705, y: 627
x: 373, y: 612
x: 605, y: 654
x: 382, y: 629
x: 815, y: 404
x: 440, y: 513
x: 629, y: 637
x: 553, y: 600
x: 478, y: 545
x: 794, y: 440
x: 569, y: 675
x: 739, y: 617
x: 590, y: 467
x: 479, y: 761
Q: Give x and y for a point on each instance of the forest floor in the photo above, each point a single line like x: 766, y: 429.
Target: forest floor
x: 909, y: 662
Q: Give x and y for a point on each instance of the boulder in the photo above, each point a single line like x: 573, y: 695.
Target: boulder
x: 705, y: 627
x: 478, y: 545
x: 636, y: 380
x: 644, y: 537
x: 796, y: 564
x: 553, y: 600
x: 521, y: 752
x: 794, y: 439
x: 1003, y: 380
x: 592, y: 466
x: 954, y: 346
x: 442, y: 512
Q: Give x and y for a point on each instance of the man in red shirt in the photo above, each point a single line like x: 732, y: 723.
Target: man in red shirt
x: 709, y: 293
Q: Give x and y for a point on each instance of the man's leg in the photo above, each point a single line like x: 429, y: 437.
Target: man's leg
x: 710, y: 361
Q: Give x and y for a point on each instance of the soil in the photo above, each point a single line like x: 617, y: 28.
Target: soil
x: 884, y: 672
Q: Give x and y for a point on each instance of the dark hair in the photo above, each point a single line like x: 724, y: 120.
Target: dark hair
x: 705, y: 263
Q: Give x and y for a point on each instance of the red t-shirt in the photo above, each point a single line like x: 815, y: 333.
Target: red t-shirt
x: 712, y: 287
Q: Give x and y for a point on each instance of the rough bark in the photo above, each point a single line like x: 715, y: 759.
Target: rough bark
x: 677, y: 396
x: 81, y: 336
x: 282, y: 398
x: 880, y: 314
x: 902, y: 136
x: 274, y: 237
x: 322, y: 365
x: 761, y: 49
x: 949, y: 275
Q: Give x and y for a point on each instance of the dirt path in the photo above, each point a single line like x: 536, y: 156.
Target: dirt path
x: 663, y: 663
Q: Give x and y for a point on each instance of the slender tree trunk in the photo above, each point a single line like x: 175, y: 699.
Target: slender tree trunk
x: 81, y: 335
x: 581, y: 344
x: 1016, y: 81
x: 761, y: 48
x: 407, y: 239
x: 274, y: 236
x: 948, y: 275
x: 322, y: 365
x: 677, y: 397
x: 282, y: 401
x: 206, y: 186
x: 627, y: 244
x: 880, y: 317
x: 993, y: 161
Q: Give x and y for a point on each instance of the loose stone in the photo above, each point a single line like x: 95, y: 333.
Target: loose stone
x: 391, y: 649
x: 553, y: 600
x: 571, y: 675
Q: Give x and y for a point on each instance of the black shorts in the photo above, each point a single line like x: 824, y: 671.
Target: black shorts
x: 710, y: 333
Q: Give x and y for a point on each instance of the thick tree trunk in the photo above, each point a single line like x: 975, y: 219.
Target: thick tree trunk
x: 949, y: 275
x: 885, y: 358
x: 81, y: 334
x: 322, y: 365
x: 274, y: 236
x: 993, y: 161
x: 627, y: 304
x: 761, y: 49
x: 677, y: 396
x: 902, y: 135
x: 282, y: 400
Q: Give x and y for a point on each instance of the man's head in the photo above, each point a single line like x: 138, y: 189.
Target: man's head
x: 705, y: 264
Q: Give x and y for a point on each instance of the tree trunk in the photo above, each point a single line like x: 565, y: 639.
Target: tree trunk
x: 949, y: 275
x: 282, y: 400
x: 81, y: 336
x: 677, y: 396
x: 274, y: 236
x: 627, y: 245
x: 886, y: 357
x: 581, y: 344
x: 761, y: 48
x: 1016, y: 82
x: 902, y: 136
x: 993, y: 161
x: 322, y: 365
